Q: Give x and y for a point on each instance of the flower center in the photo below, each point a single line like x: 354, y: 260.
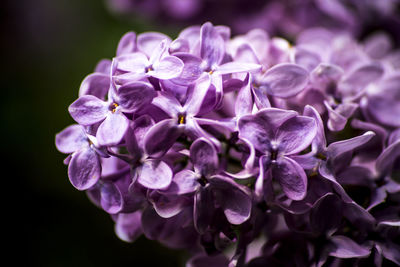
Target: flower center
x: 113, y: 107
x: 147, y: 69
x: 202, y: 181
x: 181, y: 118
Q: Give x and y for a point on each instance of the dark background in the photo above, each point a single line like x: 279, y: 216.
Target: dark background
x: 47, y: 48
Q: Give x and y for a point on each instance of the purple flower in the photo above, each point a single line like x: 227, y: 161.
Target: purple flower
x: 89, y: 110
x: 84, y: 167
x: 278, y: 134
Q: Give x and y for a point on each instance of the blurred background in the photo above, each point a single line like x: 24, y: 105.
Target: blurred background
x: 49, y: 47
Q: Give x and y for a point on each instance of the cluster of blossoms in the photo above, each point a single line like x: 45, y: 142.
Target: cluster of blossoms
x: 245, y: 151
x: 287, y: 17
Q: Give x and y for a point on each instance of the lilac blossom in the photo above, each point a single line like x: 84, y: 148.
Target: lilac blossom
x: 245, y: 151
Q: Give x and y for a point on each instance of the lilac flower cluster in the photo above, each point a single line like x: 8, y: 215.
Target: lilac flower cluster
x: 287, y: 17
x: 245, y: 151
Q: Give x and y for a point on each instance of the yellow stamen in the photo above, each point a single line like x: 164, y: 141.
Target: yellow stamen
x: 115, y: 105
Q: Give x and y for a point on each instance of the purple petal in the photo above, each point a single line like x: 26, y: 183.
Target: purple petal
x: 128, y: 226
x: 234, y: 199
x: 244, y: 100
x: 336, y: 121
x: 112, y: 130
x: 291, y: 177
x: 168, y: 103
x: 135, y: 95
x: 161, y: 137
x: 306, y: 59
x: 71, y: 139
x: 360, y: 78
x: 212, y: 48
x: 259, y: 128
x: 127, y: 44
x: 191, y: 69
x: 236, y: 67
x: 338, y: 148
x: 344, y: 247
x: 84, y: 169
x: 166, y: 206
x: 168, y: 68
x: 134, y: 62
x: 196, y: 98
x: 179, y: 45
x: 149, y: 41
x: 96, y: 84
x: 245, y: 53
x: 111, y: 198
x: 155, y: 174
x: 319, y: 142
x: 391, y: 251
x: 378, y: 45
x: 325, y: 75
x: 103, y: 67
x: 88, y: 110
x: 184, y: 182
x: 296, y: 134
x: 285, y: 80
x: 326, y: 214
x: 385, y: 161
x: 204, y: 157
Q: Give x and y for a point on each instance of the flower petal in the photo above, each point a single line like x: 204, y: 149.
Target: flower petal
x: 204, y: 157
x: 319, y: 142
x: 184, y: 182
x: 167, y: 68
x: 127, y: 44
x: 387, y: 158
x: 96, y: 84
x: 234, y: 199
x: 112, y: 130
x: 128, y: 226
x: 166, y: 206
x: 84, y: 169
x: 134, y: 62
x: 212, y: 46
x: 326, y: 214
x: 284, y: 80
x: 135, y: 95
x: 155, y: 174
x: 236, y: 67
x: 161, y: 137
x: 149, y: 41
x: 291, y: 177
x: 71, y: 139
x: 244, y: 100
x: 344, y: 247
x: 111, y: 198
x: 88, y: 110
x: 296, y: 134
x: 338, y: 148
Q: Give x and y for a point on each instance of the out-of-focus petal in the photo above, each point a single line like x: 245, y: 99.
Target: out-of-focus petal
x: 111, y: 198
x: 128, y: 226
x: 319, y: 142
x: 284, y: 80
x: 344, y: 247
x: 236, y: 67
x: 203, y: 208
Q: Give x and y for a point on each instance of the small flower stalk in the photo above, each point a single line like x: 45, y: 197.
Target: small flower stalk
x: 246, y: 150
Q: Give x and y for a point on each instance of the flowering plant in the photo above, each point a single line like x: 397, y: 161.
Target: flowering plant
x: 245, y: 151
